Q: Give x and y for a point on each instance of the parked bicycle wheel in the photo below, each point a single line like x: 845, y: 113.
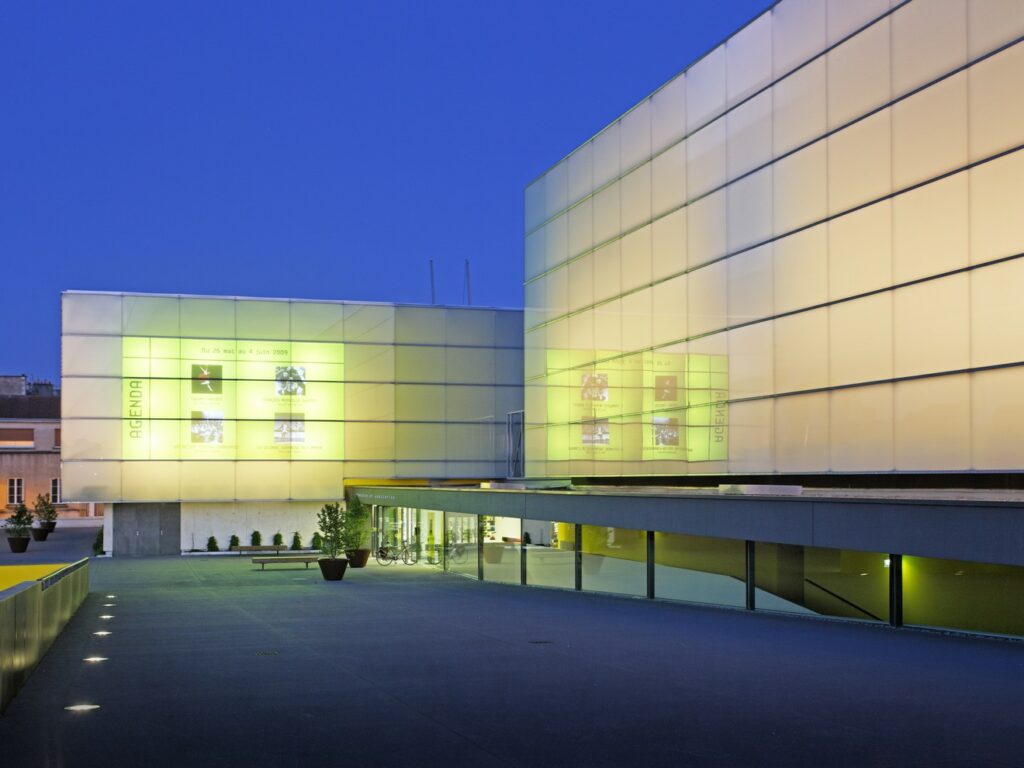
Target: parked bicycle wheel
x: 457, y: 554
x: 410, y: 555
x: 383, y: 556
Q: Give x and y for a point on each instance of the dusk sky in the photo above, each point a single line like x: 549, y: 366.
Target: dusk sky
x: 308, y: 150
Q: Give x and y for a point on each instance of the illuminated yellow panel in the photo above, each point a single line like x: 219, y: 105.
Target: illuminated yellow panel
x: 223, y: 399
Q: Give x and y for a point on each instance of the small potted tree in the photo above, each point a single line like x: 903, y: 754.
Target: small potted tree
x: 46, y: 513
x: 355, y: 517
x: 18, y: 527
x: 332, y: 525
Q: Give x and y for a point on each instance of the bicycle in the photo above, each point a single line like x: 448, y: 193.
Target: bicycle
x: 387, y: 554
x: 456, y: 553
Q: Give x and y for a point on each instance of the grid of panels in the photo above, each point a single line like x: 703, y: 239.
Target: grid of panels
x: 826, y: 205
x: 173, y: 397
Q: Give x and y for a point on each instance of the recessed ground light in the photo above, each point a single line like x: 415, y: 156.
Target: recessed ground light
x: 101, y: 634
x: 82, y: 707
x: 863, y: 574
x: 887, y: 562
x: 111, y: 597
x: 106, y: 616
x: 110, y: 605
x: 94, y: 659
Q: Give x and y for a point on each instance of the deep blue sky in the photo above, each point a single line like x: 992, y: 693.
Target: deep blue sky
x: 304, y: 149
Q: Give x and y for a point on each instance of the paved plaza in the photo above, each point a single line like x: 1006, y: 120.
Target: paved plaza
x: 212, y: 662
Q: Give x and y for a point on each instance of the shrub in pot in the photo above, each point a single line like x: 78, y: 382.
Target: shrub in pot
x: 278, y: 540
x: 211, y: 544
x: 331, y: 520
x: 296, y: 542
x: 355, y: 517
x: 233, y: 542
x: 256, y: 539
x: 18, y: 527
x: 317, y: 542
x: 46, y: 513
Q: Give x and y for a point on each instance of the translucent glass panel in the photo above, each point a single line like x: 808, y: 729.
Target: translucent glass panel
x: 962, y: 595
x: 271, y: 400
x: 614, y: 560
x: 461, y: 542
x: 700, y: 569
x: 550, y: 553
x: 502, y: 539
x: 798, y: 33
x: 878, y: 202
x: 928, y: 40
x: 828, y: 582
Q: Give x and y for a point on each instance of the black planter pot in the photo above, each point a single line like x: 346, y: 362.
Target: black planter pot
x: 357, y: 558
x: 18, y: 543
x: 48, y: 525
x: 333, y: 570
x: 39, y: 534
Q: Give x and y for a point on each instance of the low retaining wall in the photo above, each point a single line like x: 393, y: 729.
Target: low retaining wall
x: 32, y: 614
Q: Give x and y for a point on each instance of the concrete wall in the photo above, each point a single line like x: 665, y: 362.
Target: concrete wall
x: 31, y: 616
x: 200, y: 521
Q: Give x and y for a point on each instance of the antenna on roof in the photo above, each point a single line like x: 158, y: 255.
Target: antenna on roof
x: 433, y: 293
x: 467, y: 286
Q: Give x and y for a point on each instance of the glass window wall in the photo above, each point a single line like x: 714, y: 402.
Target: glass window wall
x: 699, y: 569
x: 975, y: 597
x: 461, y: 544
x: 502, y: 537
x: 550, y: 553
x: 826, y: 582
x: 614, y: 560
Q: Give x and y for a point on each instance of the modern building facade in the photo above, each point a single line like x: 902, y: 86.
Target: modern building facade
x: 201, y: 416
x: 798, y: 262
x: 801, y: 255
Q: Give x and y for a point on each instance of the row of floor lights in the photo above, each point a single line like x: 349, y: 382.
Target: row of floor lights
x: 96, y: 659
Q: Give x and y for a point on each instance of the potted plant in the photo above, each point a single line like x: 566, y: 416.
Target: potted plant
x: 355, y: 517
x: 332, y: 525
x: 46, y: 513
x: 18, y: 526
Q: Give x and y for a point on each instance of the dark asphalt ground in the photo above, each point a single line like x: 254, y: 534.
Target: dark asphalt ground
x: 213, y: 663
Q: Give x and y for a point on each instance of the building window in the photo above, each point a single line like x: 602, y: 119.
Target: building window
x: 17, y: 437
x: 15, y: 490
x: 55, y: 490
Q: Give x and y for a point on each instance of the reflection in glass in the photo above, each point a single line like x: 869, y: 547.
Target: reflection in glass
x: 827, y: 582
x: 976, y: 597
x: 461, y: 543
x: 550, y: 553
x: 614, y: 560
x: 502, y: 537
x: 700, y: 569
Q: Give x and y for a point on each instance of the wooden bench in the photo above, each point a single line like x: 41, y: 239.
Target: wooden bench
x: 262, y: 561
x: 276, y: 548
